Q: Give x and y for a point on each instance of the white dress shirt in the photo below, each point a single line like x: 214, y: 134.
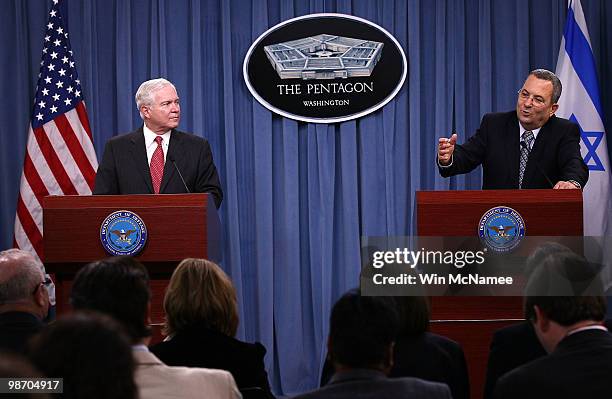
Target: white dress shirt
x: 151, y: 145
x: 523, y: 130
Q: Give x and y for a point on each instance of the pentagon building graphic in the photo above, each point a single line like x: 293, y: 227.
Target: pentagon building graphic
x: 324, y: 57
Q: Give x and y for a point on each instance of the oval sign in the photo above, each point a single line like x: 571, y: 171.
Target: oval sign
x: 325, y: 68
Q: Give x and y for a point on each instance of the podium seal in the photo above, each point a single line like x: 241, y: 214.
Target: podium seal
x: 501, y: 228
x: 123, y: 233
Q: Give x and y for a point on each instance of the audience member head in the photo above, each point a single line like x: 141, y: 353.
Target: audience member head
x: 200, y: 293
x: 91, y: 353
x: 23, y: 286
x: 413, y: 313
x: 362, y: 332
x: 540, y: 253
x: 563, y: 293
x: 118, y: 287
x: 16, y: 366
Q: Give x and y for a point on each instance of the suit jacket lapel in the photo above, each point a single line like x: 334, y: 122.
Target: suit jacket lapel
x: 139, y: 152
x: 174, y: 149
x: 512, y: 150
x: 536, y: 153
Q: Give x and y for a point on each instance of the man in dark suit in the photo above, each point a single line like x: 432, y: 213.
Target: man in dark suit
x: 420, y: 353
x: 526, y: 148
x: 156, y: 158
x: 512, y: 347
x: 517, y: 344
x: 579, y: 363
x: 24, y: 300
x: 361, y: 337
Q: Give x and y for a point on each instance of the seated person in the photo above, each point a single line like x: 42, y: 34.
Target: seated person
x: 91, y: 352
x: 362, y: 332
x: 201, y: 321
x: 565, y: 305
x: 517, y: 344
x: 422, y: 354
x: 119, y: 287
x: 16, y: 366
x: 24, y: 299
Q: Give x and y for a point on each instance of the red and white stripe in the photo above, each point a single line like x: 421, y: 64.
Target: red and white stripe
x: 60, y: 160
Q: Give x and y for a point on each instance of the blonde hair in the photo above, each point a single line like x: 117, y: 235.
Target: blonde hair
x: 200, y: 292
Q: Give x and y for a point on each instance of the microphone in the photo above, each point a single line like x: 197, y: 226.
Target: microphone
x: 524, y: 145
x: 171, y: 159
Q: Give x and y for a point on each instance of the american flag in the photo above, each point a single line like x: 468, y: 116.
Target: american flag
x: 60, y: 157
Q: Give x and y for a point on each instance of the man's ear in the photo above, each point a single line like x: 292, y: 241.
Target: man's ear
x: 41, y: 296
x: 144, y: 110
x: 554, y: 109
x: 541, y: 320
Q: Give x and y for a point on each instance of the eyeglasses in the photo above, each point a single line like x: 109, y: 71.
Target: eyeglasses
x: 538, y: 101
x: 45, y: 283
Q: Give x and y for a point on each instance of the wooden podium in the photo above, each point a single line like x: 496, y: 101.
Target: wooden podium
x: 472, y: 320
x: 178, y: 225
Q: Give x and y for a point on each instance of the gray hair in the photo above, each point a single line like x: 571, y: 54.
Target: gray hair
x: 144, y: 94
x: 545, y: 74
x: 20, y: 272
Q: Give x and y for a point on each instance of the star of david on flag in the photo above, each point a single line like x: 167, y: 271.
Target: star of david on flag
x: 580, y: 102
x: 591, y: 142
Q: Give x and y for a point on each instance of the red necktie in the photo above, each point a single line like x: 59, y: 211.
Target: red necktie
x: 157, y: 165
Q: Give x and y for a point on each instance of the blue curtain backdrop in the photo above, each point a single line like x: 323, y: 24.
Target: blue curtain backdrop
x: 297, y: 196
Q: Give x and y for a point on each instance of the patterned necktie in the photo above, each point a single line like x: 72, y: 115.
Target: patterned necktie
x: 157, y: 165
x: 528, y: 138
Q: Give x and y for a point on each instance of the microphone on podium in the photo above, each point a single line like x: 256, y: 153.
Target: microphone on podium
x: 524, y: 145
x: 171, y: 159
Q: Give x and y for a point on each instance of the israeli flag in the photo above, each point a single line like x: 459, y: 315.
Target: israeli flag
x: 580, y: 102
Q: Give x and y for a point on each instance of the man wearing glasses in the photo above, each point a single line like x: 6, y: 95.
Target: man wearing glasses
x: 526, y: 148
x: 24, y: 299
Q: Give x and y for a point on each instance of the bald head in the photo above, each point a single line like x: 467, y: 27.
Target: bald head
x: 20, y: 283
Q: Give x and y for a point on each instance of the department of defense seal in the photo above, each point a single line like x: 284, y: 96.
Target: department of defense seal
x: 123, y: 233
x: 501, y: 228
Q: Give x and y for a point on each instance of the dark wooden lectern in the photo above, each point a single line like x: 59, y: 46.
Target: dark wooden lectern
x: 472, y: 320
x: 178, y: 225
